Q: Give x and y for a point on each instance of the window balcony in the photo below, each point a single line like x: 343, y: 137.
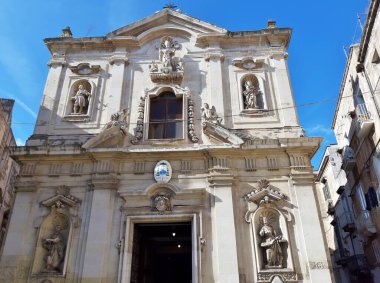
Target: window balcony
x: 349, y: 159
x: 365, y: 224
x: 364, y: 120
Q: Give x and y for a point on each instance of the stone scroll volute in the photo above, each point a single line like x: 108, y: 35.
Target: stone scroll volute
x: 54, y: 234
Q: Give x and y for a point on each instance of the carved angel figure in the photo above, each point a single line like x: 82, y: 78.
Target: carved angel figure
x: 56, y: 247
x: 251, y: 93
x: 210, y: 115
x: 154, y: 67
x: 271, y: 244
x: 80, y: 100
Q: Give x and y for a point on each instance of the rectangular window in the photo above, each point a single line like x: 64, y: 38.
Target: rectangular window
x: 166, y: 117
x: 326, y: 192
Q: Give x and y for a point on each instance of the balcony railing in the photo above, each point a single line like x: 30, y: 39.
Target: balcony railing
x: 364, y: 120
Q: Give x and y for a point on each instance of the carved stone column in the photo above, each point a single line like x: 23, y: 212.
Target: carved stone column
x: 215, y: 60
x: 99, y: 245
x: 308, y: 223
x: 118, y: 63
x: 225, y: 262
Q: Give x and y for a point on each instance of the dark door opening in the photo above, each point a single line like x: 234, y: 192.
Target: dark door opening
x: 161, y: 253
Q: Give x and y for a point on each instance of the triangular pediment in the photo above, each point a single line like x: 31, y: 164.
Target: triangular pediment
x: 166, y: 18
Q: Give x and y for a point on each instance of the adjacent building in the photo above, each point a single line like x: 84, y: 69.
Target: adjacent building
x: 352, y: 185
x: 8, y: 167
x: 168, y: 150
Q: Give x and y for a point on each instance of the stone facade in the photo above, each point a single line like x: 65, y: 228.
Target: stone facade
x: 8, y: 168
x: 167, y: 120
x: 355, y: 176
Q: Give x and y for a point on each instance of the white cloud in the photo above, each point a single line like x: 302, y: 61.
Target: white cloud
x: 320, y: 129
x: 20, y: 142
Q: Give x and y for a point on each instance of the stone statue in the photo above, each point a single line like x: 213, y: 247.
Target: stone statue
x: 272, y: 245
x: 209, y: 114
x: 251, y: 92
x: 80, y: 100
x: 166, y: 53
x: 153, y: 67
x: 56, y: 250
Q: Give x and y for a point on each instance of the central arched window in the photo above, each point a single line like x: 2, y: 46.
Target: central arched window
x: 166, y: 117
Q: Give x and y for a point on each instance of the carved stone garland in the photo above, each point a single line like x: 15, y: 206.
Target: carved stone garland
x: 140, y: 122
x: 269, y: 227
x: 190, y: 124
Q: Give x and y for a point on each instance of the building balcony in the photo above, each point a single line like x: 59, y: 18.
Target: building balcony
x: 363, y: 120
x: 349, y: 159
x: 365, y: 224
x: 356, y: 262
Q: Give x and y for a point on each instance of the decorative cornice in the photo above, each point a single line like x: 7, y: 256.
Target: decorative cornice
x: 215, y: 56
x: 104, y: 183
x: 22, y: 186
x: 57, y: 62
x: 118, y: 59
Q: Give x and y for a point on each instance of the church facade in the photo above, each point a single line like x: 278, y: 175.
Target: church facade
x: 168, y: 150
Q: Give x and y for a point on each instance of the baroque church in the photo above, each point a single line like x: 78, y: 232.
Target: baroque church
x: 168, y: 150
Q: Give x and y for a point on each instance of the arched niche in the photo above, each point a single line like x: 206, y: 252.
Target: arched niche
x: 252, y: 92
x: 275, y: 220
x: 52, y: 244
x: 54, y: 234
x: 80, y: 98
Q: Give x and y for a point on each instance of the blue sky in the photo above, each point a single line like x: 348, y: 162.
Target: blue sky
x: 316, y: 58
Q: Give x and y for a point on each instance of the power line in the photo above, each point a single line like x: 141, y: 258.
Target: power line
x: 323, y: 101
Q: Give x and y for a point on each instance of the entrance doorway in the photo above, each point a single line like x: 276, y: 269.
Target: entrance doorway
x: 161, y: 253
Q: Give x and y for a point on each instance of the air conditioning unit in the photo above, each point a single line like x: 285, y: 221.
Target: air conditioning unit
x: 349, y: 159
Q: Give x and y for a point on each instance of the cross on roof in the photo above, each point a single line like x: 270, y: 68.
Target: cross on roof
x: 170, y: 6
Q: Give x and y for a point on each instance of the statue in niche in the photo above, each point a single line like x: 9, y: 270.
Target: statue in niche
x: 55, y: 247
x: 80, y: 99
x: 251, y: 93
x: 272, y: 245
x: 210, y: 115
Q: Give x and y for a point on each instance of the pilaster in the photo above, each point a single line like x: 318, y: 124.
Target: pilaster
x: 309, y: 226
x: 215, y: 60
x: 53, y: 82
x: 99, y: 243
x: 118, y: 61
x: 225, y: 262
